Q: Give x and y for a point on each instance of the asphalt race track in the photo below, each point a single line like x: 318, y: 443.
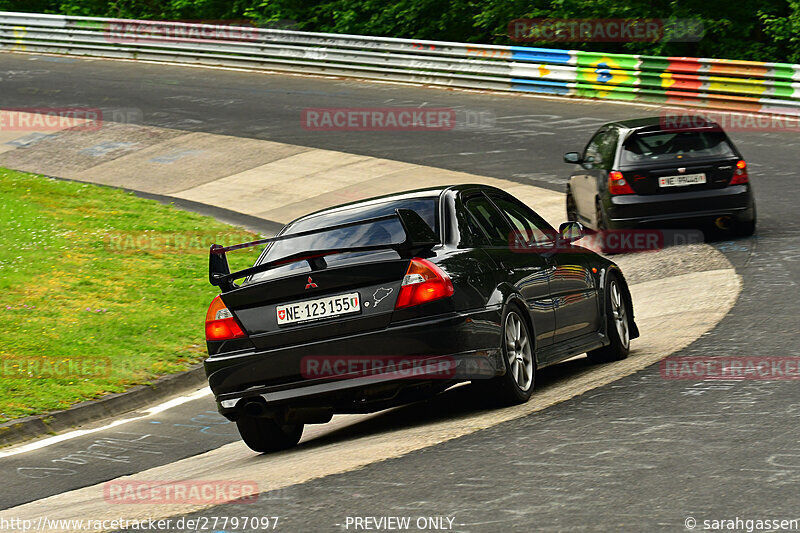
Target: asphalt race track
x: 637, y: 454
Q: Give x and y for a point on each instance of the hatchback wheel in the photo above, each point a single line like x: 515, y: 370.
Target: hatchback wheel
x: 602, y: 227
x: 599, y: 216
x: 746, y: 229
x: 572, y: 209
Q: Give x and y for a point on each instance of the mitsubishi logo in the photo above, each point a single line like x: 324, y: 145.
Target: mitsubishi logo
x: 311, y: 284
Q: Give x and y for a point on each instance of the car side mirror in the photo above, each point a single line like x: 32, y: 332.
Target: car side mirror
x: 572, y: 157
x: 570, y: 232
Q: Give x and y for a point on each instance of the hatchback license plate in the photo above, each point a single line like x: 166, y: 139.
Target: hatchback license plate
x: 332, y: 306
x: 682, y: 180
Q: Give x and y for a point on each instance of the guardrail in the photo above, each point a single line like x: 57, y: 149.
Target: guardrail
x: 715, y: 83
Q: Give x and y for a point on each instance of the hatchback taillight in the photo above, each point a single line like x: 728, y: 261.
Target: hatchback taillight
x: 220, y: 323
x: 740, y: 174
x: 424, y: 282
x: 617, y: 183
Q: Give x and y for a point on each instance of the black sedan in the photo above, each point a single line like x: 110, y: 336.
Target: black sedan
x: 384, y: 301
x: 661, y: 171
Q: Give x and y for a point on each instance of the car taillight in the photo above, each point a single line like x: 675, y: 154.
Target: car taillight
x: 740, y: 174
x: 617, y: 183
x: 220, y: 323
x: 423, y: 282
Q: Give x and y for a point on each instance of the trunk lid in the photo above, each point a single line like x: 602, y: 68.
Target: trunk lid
x: 680, y: 176
x: 317, y: 304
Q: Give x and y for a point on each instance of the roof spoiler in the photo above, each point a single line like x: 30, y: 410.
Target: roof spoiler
x: 419, y: 238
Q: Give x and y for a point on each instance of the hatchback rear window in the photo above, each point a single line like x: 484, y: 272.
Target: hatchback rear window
x: 670, y: 145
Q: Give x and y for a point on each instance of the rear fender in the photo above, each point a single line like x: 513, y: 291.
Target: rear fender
x: 509, y: 296
x: 614, y: 270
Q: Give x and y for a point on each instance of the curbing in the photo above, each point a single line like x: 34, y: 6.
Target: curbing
x: 22, y: 429
x: 252, y: 223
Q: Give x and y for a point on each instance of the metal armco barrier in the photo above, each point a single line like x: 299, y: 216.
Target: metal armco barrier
x: 714, y: 83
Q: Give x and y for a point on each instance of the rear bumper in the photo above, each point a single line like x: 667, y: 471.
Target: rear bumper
x: 437, y: 350
x: 631, y: 211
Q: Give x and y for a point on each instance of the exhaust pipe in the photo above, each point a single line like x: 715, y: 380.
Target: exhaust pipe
x: 723, y: 223
x: 255, y: 408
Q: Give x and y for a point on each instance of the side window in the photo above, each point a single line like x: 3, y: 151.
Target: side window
x: 489, y: 219
x: 591, y: 154
x: 529, y: 227
x: 608, y: 148
x: 471, y: 233
x: 599, y: 153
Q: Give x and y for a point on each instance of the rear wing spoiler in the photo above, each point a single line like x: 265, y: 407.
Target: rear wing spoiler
x: 419, y: 237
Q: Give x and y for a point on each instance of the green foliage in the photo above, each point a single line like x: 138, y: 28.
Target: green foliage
x: 96, y: 276
x: 783, y: 29
x: 766, y: 30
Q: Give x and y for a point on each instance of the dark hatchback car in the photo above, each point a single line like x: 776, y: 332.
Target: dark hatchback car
x: 384, y: 301
x: 657, y: 172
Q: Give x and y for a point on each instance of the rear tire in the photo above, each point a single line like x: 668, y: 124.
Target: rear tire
x: 572, y: 209
x: 516, y: 346
x: 599, y: 216
x: 600, y: 222
x: 617, y: 325
x: 266, y: 435
x: 746, y: 229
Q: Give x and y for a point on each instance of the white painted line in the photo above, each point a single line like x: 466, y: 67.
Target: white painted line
x: 81, y: 432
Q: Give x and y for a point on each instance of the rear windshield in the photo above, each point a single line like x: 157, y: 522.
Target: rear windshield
x: 384, y: 232
x: 670, y: 145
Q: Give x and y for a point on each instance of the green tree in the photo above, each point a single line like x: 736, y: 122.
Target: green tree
x: 766, y: 30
